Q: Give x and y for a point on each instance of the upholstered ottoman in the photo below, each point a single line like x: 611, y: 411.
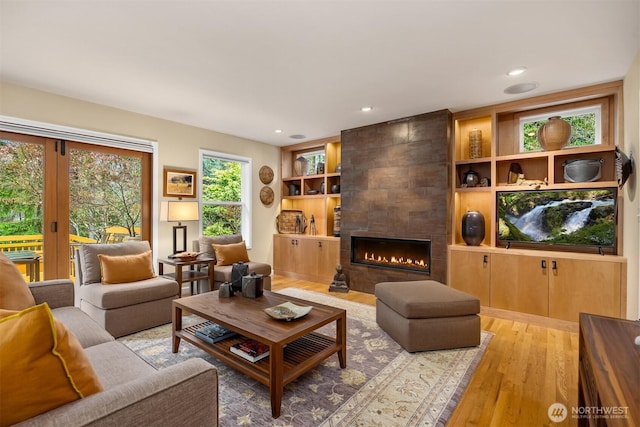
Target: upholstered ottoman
x: 427, y: 315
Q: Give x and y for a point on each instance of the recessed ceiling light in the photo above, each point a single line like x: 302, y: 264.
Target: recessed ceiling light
x: 520, y: 88
x: 517, y: 71
x: 278, y: 131
x: 366, y: 109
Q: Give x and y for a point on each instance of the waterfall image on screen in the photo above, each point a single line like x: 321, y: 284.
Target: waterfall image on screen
x: 566, y: 217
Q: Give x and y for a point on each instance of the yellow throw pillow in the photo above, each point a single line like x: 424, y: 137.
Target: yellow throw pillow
x: 230, y: 253
x: 126, y: 268
x: 43, y: 365
x: 14, y: 292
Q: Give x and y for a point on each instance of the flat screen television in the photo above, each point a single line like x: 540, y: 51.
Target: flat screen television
x: 581, y: 220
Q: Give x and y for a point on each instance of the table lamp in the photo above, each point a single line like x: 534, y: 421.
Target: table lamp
x: 178, y: 211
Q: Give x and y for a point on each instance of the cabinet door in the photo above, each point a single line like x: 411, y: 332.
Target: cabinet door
x: 285, y: 254
x: 584, y: 286
x: 328, y: 257
x: 470, y: 272
x: 520, y: 283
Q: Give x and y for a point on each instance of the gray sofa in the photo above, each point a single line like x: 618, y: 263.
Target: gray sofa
x: 222, y: 273
x: 124, y: 308
x: 134, y: 392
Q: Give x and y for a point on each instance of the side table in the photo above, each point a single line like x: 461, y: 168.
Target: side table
x: 188, y: 275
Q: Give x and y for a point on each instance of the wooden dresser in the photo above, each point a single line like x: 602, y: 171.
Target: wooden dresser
x: 609, y: 372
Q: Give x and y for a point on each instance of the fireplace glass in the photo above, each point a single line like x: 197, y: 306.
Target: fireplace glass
x: 403, y: 254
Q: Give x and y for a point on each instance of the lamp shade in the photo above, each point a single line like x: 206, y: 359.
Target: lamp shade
x: 175, y: 211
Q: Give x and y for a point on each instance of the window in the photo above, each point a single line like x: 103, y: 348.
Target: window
x: 314, y: 162
x: 226, y: 195
x: 585, y: 127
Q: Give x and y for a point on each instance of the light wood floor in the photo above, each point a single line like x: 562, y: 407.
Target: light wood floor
x: 531, y: 362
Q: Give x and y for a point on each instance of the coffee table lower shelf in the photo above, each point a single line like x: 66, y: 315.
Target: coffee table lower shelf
x: 299, y: 355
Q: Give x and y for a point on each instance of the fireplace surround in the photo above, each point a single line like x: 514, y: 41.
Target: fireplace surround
x: 395, y: 185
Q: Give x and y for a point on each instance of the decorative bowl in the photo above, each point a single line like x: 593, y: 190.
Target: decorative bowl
x: 582, y: 170
x: 187, y: 256
x: 287, y: 311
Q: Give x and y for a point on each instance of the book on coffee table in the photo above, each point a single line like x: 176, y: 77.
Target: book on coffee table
x: 213, y: 333
x: 251, y: 350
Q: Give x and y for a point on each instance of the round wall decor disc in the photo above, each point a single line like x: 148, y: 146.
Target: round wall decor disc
x: 266, y: 174
x: 266, y: 195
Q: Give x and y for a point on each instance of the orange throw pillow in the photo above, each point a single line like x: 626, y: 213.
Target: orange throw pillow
x: 14, y: 292
x: 126, y: 268
x: 230, y: 253
x: 43, y: 365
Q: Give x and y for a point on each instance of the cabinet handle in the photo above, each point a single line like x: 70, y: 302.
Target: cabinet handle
x: 319, y: 244
x: 543, y: 264
x: 554, y: 265
x: 485, y: 259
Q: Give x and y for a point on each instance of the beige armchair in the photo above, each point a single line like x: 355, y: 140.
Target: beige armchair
x: 122, y: 308
x: 222, y: 273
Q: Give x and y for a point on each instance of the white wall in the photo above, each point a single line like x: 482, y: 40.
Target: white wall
x: 178, y: 147
x: 631, y: 90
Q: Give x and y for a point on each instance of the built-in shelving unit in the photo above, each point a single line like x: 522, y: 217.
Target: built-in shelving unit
x: 508, y: 278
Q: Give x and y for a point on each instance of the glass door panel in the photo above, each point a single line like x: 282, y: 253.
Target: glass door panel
x: 22, y: 163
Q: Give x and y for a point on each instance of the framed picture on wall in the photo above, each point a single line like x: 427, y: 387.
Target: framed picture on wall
x: 179, y: 183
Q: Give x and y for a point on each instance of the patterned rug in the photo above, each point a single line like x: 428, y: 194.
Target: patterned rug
x: 383, y: 385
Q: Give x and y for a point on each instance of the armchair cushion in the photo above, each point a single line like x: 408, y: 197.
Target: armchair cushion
x: 43, y: 365
x: 14, y: 292
x: 91, y: 271
x: 126, y: 268
x: 128, y: 294
x: 205, y: 243
x: 231, y: 253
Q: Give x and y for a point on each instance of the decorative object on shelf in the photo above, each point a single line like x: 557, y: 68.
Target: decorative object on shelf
x: 582, y: 170
x: 338, y: 168
x: 515, y: 170
x: 179, y: 183
x: 300, y: 166
x: 287, y: 222
x: 265, y: 174
x: 320, y: 168
x: 554, y: 134
x: 335, y: 189
x: 473, y: 228
x: 336, y: 221
x: 266, y: 195
x: 475, y: 144
x: 485, y: 182
x: 287, y: 311
x: 294, y: 190
x: 312, y: 192
x: 339, y: 283
x: 471, y: 178
x: 624, y: 167
x: 536, y: 183
x: 312, y: 223
x: 322, y: 187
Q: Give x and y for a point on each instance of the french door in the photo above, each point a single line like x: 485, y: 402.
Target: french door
x: 57, y: 194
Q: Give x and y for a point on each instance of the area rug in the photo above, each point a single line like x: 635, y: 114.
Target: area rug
x: 383, y: 385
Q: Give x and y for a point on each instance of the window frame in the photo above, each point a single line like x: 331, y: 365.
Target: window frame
x: 246, y: 173
x: 601, y: 106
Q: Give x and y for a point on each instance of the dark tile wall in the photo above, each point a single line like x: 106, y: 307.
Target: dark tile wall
x: 395, y: 183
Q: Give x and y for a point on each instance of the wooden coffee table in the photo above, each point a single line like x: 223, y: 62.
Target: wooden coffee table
x: 294, y: 347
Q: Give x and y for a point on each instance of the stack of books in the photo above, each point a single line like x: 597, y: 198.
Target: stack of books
x: 251, y: 350
x: 213, y: 333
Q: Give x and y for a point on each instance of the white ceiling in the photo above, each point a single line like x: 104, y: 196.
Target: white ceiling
x: 247, y: 68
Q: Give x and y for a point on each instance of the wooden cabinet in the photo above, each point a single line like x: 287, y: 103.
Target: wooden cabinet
x: 472, y: 274
x: 557, y: 285
x: 311, y: 258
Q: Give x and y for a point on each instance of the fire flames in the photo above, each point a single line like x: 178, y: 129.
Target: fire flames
x: 395, y: 261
